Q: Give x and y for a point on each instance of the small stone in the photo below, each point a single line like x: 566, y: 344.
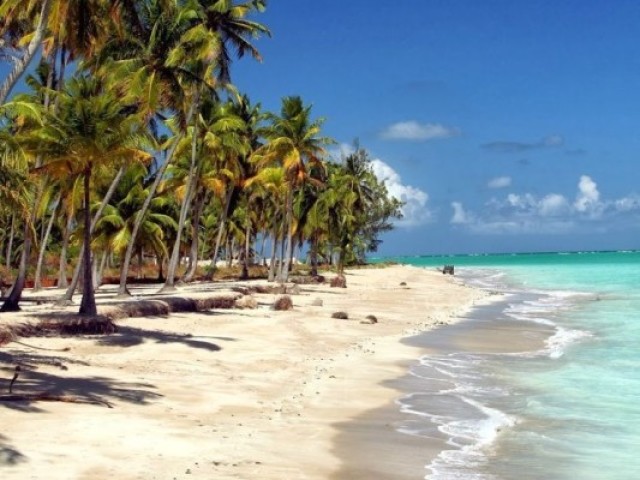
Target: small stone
x: 283, y: 302
x: 317, y: 302
x: 340, y: 315
x: 339, y: 281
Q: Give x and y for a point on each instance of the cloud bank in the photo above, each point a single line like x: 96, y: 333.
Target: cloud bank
x: 414, y: 131
x: 415, y: 210
x: 552, y: 213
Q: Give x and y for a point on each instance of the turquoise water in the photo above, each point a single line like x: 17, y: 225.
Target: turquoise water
x: 570, y: 410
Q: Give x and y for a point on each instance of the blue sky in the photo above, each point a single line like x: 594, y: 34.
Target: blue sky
x: 505, y: 125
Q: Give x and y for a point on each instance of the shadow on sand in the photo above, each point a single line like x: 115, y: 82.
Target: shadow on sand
x: 8, y: 455
x: 131, y: 336
x: 95, y: 389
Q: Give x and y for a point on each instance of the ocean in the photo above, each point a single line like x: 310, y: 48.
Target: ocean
x: 543, y: 383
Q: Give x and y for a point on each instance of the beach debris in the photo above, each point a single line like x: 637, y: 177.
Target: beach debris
x: 307, y: 279
x: 340, y: 315
x: 403, y: 284
x: 280, y: 288
x: 317, y: 302
x: 339, y: 281
x: 283, y: 302
x: 6, y: 335
x: 370, y: 320
x: 247, y: 301
x: 15, y: 377
x: 76, y: 325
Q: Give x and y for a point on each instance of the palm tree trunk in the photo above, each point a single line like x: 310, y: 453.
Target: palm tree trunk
x: 88, y: 302
x: 284, y: 272
x: 21, y: 64
x: 313, y: 255
x: 216, y: 248
x: 139, y: 273
x: 10, y: 243
x: 169, y: 284
x: 62, y: 276
x: 37, y: 283
x: 68, y: 295
x: 247, y: 251
x: 97, y: 281
x: 12, y: 303
x: 231, y: 245
x: 124, y: 271
x: 274, y: 248
x: 195, y: 240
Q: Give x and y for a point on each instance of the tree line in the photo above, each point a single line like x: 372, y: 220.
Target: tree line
x: 132, y: 143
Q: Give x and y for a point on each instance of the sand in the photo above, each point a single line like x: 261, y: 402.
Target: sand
x: 227, y: 393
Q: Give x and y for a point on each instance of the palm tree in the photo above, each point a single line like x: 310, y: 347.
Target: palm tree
x: 269, y: 186
x: 76, y: 27
x: 91, y: 129
x: 184, y: 65
x: 294, y: 143
x: 113, y: 230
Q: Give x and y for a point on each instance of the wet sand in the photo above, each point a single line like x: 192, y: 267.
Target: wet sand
x: 372, y: 447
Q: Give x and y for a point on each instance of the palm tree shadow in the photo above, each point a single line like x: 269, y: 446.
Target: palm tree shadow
x: 94, y: 389
x: 31, y: 381
x: 131, y: 336
x: 9, y: 455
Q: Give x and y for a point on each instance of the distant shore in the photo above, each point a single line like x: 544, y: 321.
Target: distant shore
x: 251, y: 393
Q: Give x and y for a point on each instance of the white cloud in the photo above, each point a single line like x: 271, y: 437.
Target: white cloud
x: 588, y: 197
x: 499, y: 182
x: 412, y: 130
x: 341, y: 150
x: 550, y: 214
x: 460, y: 217
x: 553, y: 205
x: 415, y: 210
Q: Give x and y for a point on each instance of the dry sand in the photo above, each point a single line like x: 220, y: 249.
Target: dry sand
x: 223, y: 394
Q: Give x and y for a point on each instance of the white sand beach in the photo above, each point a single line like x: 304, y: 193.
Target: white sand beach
x: 251, y: 393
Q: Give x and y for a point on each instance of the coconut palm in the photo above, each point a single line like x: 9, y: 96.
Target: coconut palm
x: 296, y: 144
x: 192, y: 59
x: 91, y: 129
x: 76, y: 27
x: 113, y: 230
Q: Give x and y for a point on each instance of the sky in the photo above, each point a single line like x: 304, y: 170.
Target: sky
x: 505, y: 126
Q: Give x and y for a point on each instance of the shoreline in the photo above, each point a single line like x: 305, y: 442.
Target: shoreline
x: 224, y: 394
x: 371, y: 443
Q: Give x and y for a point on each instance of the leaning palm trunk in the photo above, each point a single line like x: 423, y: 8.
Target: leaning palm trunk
x: 216, y: 248
x: 37, y: 283
x: 62, y: 276
x: 195, y: 239
x: 10, y: 243
x: 313, y: 254
x: 66, y: 298
x: 247, y: 252
x: 284, y: 271
x: 274, y: 248
x: 124, y: 271
x: 88, y: 302
x: 21, y: 65
x: 12, y: 303
x: 97, y: 281
x: 169, y: 284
